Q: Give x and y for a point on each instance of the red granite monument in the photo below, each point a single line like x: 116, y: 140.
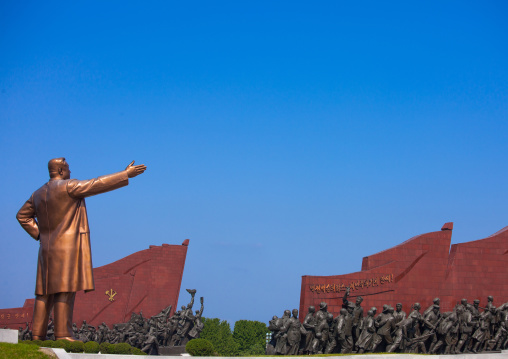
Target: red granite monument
x: 148, y: 281
x: 418, y: 270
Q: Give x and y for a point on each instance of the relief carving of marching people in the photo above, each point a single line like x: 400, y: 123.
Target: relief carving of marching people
x: 468, y: 328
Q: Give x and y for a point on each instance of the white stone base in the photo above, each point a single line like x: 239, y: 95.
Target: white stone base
x: 61, y: 354
x: 8, y: 336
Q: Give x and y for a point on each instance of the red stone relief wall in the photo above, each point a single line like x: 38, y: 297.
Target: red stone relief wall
x: 418, y: 270
x: 148, y: 281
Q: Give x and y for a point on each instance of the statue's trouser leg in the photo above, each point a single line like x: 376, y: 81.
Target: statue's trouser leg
x: 396, y: 342
x: 347, y: 345
x: 63, y: 308
x: 42, y: 308
x: 330, y: 346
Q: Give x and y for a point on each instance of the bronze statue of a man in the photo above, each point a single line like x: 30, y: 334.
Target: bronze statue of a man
x: 56, y: 215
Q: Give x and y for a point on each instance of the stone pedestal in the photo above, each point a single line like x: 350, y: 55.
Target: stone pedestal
x: 179, y: 350
x: 9, y: 336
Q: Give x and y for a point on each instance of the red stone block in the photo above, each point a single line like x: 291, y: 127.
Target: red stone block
x: 141, y: 281
x: 425, y: 267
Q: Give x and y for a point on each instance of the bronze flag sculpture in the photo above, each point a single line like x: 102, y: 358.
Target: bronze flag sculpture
x: 56, y: 215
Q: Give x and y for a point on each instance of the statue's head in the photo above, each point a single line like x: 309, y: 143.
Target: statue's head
x: 295, y: 313
x: 323, y: 306
x: 436, y: 301
x: 312, y: 309
x: 370, y: 313
x: 287, y: 313
x: 417, y: 306
x: 59, y: 168
x: 359, y: 300
x: 390, y: 309
x: 490, y: 298
x: 385, y: 308
x: 398, y: 306
x: 493, y: 310
x: 374, y: 310
x: 463, y: 301
x: 476, y: 303
x: 329, y: 317
x: 350, y: 308
x: 343, y: 311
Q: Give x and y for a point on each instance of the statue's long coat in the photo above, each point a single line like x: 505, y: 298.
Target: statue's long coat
x: 56, y: 215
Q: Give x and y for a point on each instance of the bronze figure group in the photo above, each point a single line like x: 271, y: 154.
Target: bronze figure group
x: 147, y: 334
x: 468, y: 328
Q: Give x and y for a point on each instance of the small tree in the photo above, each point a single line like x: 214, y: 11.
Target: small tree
x: 219, y: 334
x: 249, y: 335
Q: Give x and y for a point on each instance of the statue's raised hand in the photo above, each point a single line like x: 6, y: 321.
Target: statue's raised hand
x: 133, y: 171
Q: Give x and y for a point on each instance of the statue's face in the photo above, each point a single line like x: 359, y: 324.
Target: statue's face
x: 359, y: 300
x: 64, y: 171
x: 399, y: 307
x: 295, y: 313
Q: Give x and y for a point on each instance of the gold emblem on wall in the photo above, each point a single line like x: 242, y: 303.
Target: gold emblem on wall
x: 111, y: 294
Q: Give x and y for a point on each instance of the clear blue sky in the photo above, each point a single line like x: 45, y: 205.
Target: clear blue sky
x: 282, y: 138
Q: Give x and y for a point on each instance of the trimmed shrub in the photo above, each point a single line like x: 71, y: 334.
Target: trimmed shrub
x: 60, y: 344
x: 48, y: 343
x: 104, y: 348
x: 74, y: 347
x: 91, y: 347
x: 121, y: 348
x: 200, y: 348
x: 136, y: 351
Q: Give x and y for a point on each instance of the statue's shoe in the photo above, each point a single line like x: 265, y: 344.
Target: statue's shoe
x: 191, y: 291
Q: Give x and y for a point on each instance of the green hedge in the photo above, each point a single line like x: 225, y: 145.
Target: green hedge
x: 121, y: 348
x: 92, y: 347
x: 200, y: 348
x: 60, y: 343
x: 136, y: 351
x: 104, y: 348
x: 75, y: 347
